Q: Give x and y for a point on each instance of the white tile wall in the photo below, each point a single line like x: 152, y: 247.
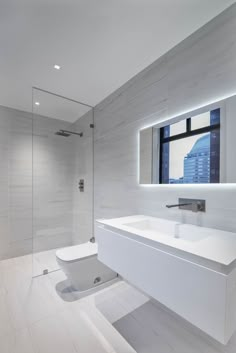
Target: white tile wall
x: 16, y: 183
x: 61, y: 214
x: 83, y: 201
x: 53, y: 171
x: 198, y: 71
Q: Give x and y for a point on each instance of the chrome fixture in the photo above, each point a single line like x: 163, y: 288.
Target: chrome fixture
x: 194, y: 205
x: 97, y: 280
x: 67, y: 133
x: 81, y: 185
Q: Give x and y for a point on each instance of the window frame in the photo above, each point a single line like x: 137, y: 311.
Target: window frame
x: 189, y: 132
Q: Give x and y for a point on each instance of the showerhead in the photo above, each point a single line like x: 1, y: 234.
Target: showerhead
x: 62, y: 133
x: 66, y: 133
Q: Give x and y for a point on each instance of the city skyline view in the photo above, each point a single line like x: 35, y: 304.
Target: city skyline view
x: 180, y: 151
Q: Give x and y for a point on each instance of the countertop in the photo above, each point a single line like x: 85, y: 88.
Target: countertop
x: 213, y: 244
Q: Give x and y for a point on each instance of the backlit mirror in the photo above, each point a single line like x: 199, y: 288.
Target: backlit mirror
x: 195, y: 148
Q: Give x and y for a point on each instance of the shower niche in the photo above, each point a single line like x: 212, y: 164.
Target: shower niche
x: 62, y: 156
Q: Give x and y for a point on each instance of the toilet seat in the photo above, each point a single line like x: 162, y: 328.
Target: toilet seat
x: 77, y: 252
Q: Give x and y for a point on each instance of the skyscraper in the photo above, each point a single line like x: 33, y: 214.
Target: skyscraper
x: 197, y: 162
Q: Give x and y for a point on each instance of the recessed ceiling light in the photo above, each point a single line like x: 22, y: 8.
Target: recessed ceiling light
x: 57, y: 67
x: 37, y: 103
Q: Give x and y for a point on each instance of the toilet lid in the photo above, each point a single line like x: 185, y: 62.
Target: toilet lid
x: 77, y: 252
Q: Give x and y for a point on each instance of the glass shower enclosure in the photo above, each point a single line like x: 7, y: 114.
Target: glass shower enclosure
x: 62, y: 178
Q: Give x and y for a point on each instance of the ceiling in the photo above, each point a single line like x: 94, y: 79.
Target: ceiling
x: 100, y: 44
x: 57, y: 107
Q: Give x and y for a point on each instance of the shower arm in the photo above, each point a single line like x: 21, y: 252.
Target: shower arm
x: 72, y: 133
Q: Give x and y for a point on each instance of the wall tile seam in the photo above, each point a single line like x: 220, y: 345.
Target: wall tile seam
x: 134, y: 96
x: 129, y: 84
x: 116, y: 130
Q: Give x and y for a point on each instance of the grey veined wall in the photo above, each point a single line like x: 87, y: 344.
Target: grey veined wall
x: 40, y: 204
x: 15, y: 182
x: 198, y: 71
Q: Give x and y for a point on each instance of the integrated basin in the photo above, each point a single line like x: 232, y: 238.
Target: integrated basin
x: 169, y: 228
x: 153, y: 225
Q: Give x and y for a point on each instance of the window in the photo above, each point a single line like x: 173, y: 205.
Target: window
x: 190, y: 150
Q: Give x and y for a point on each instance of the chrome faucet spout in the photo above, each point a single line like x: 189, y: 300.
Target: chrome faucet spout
x: 178, y: 205
x: 194, y: 205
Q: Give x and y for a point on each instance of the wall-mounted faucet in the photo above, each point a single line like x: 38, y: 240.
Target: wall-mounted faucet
x: 194, y: 205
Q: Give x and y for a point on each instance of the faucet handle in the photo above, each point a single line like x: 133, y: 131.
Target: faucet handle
x: 197, y: 205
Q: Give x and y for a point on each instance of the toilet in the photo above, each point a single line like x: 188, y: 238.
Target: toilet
x: 81, y: 266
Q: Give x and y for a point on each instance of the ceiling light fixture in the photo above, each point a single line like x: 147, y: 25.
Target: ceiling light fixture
x: 37, y: 103
x: 57, y: 67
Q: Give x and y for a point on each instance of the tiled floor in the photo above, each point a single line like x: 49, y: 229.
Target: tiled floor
x: 44, y: 315
x: 35, y: 317
x: 151, y: 328
x: 45, y: 260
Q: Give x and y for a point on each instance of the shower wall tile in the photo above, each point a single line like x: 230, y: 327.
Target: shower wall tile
x: 53, y: 171
x: 199, y: 70
x: 43, y: 190
x: 16, y: 182
x: 41, y: 207
x: 83, y: 201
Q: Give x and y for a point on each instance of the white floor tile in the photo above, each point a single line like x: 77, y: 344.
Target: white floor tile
x: 50, y: 336
x: 45, y: 260
x: 2, y: 287
x: 142, y: 338
x: 34, y: 318
x: 17, y: 342
x: 84, y: 334
x: 38, y: 300
x: 118, y: 301
x: 6, y: 326
x: 118, y: 343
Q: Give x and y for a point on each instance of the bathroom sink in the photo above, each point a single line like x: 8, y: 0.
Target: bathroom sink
x: 154, y: 225
x: 169, y: 228
x: 190, y: 233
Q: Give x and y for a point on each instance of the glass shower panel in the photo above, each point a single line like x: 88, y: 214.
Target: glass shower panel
x: 16, y: 186
x: 62, y: 163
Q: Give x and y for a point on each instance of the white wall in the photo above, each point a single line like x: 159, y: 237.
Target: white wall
x: 48, y: 186
x: 53, y: 174
x: 15, y: 182
x: 83, y: 201
x: 198, y: 71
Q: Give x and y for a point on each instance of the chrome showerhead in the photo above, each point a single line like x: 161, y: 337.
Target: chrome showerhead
x: 62, y: 133
x: 67, y: 133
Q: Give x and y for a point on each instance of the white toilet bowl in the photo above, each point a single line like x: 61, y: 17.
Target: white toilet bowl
x: 81, y: 266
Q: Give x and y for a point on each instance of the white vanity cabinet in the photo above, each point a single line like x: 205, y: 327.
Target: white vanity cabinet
x: 203, y: 296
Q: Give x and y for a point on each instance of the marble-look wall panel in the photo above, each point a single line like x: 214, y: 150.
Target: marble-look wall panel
x: 16, y: 183
x: 199, y: 70
x: 36, y: 199
x: 202, y: 68
x: 134, y: 100
x: 53, y: 171
x: 41, y: 207
x: 83, y: 201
